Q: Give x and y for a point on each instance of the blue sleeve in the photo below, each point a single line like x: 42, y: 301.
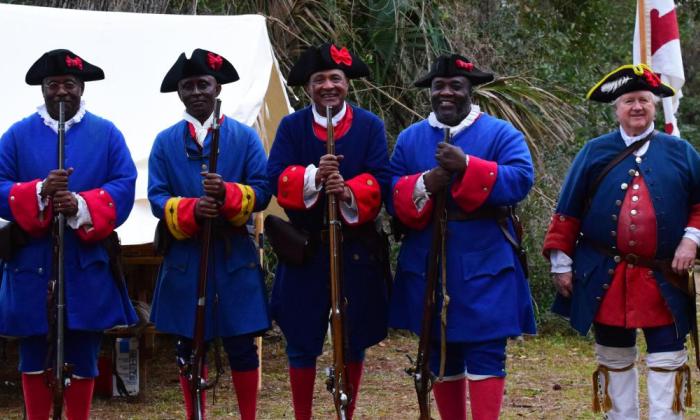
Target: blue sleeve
x: 516, y: 174
x: 255, y: 170
x: 121, y: 183
x: 158, y: 182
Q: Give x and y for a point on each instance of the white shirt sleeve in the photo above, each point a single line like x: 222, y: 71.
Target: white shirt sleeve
x: 349, y: 211
x: 42, y: 202
x: 561, y: 263
x: 82, y: 217
x: 420, y: 193
x: 310, y: 189
x: 693, y: 234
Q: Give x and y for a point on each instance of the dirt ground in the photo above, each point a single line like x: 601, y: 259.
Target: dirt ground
x: 548, y: 378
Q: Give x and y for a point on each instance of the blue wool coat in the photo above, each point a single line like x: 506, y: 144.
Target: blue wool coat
x: 235, y: 277
x: 671, y: 170
x: 489, y: 295
x: 94, y: 299
x: 301, y: 295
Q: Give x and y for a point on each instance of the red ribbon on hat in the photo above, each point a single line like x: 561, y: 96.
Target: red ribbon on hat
x: 215, y: 61
x: 464, y: 65
x: 341, y: 56
x: 652, y: 78
x: 74, y: 62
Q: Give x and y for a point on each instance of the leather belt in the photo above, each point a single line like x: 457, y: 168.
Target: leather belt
x: 457, y: 214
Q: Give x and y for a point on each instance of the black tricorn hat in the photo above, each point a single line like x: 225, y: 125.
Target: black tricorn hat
x: 326, y: 57
x: 629, y: 78
x: 202, y: 62
x: 59, y: 63
x: 451, y: 66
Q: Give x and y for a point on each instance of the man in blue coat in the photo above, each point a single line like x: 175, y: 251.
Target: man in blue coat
x: 487, y: 168
x: 183, y: 194
x: 301, y: 174
x: 95, y: 194
x: 621, y: 242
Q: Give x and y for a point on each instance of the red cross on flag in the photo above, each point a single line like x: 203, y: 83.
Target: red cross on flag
x: 657, y: 44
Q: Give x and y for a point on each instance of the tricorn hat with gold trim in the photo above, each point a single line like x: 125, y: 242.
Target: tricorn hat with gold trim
x: 629, y: 78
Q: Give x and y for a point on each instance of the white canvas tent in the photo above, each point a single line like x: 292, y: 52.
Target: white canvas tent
x: 135, y: 51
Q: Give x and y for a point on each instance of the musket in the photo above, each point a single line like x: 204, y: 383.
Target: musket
x: 422, y: 377
x: 195, y: 369
x: 337, y: 382
x: 56, y: 292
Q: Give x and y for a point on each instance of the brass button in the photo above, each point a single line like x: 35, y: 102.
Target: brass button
x: 650, y: 273
x: 635, y: 198
x: 613, y: 233
x: 396, y: 191
x: 624, y: 186
x: 18, y: 184
x: 102, y: 192
x: 614, y: 217
x: 204, y: 167
x: 630, y: 265
x: 355, y: 257
x: 370, y: 182
x: 485, y: 188
x: 611, y: 271
x: 598, y: 298
x: 618, y: 203
x: 294, y: 168
x: 636, y: 173
x: 110, y: 204
x: 631, y: 172
x: 635, y: 186
x: 633, y: 227
x: 617, y: 258
x: 285, y: 179
x: 12, y: 198
x: 491, y: 174
x: 632, y: 243
x: 633, y: 212
x: 40, y: 270
x: 562, y: 218
x: 638, y: 159
x: 606, y: 286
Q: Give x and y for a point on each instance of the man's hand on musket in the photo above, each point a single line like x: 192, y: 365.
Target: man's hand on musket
x: 451, y: 158
x: 684, y: 258
x: 328, y: 165
x: 564, y: 283
x: 335, y: 184
x: 207, y: 208
x: 65, y: 202
x: 437, y: 179
x: 214, y: 186
x: 56, y: 180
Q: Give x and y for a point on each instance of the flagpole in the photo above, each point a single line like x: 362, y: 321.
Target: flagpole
x: 641, y: 18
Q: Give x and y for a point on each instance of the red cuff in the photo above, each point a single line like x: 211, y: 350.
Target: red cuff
x: 103, y: 214
x: 290, y: 188
x: 25, y: 209
x: 471, y: 191
x: 561, y: 234
x: 233, y: 201
x: 694, y: 218
x: 239, y: 203
x: 185, y: 216
x: 405, y: 208
x: 368, y: 197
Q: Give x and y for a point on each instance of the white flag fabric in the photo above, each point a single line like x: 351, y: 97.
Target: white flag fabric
x: 657, y: 44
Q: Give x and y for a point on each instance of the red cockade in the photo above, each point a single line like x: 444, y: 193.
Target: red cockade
x: 74, y: 62
x: 341, y: 56
x: 214, y: 61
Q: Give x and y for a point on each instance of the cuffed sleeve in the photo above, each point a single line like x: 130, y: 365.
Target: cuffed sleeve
x: 290, y: 188
x: 368, y: 196
x: 561, y: 234
x: 25, y: 209
x: 474, y: 187
x: 404, y: 205
x: 179, y: 217
x: 102, y: 210
x: 239, y: 203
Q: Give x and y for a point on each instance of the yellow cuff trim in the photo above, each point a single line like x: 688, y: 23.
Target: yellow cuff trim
x: 247, y: 205
x: 171, y: 218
